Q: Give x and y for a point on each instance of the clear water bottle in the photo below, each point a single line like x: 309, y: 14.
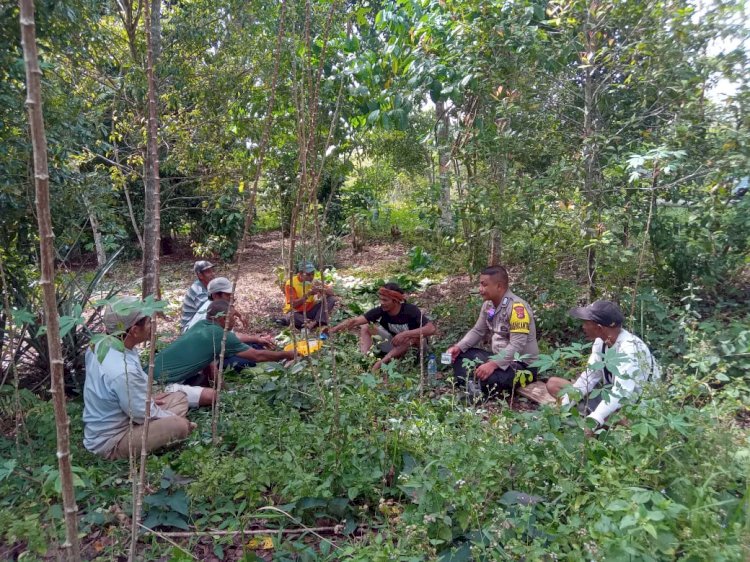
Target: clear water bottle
x: 473, y: 391
x: 431, y: 367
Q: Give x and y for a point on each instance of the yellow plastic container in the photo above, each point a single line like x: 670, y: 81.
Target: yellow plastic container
x: 305, y: 347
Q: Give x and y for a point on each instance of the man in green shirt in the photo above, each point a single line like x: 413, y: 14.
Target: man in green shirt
x: 185, y: 358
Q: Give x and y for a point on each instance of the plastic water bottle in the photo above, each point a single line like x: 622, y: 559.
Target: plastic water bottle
x: 431, y: 367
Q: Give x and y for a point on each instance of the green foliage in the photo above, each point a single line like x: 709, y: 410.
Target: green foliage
x: 8, y: 404
x: 75, y: 292
x: 168, y: 506
x: 419, y: 259
x: 436, y: 478
x: 220, y: 228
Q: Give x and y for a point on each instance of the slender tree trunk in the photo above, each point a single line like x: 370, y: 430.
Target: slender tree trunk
x: 444, y: 163
x: 101, y: 255
x: 590, y: 142
x: 47, y: 253
x: 152, y: 218
x: 496, y: 238
x: 150, y: 264
x: 131, y: 213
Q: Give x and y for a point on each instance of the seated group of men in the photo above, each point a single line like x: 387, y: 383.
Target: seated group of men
x: 115, y: 389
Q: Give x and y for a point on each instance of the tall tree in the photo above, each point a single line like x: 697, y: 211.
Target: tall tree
x: 47, y: 281
x: 152, y: 219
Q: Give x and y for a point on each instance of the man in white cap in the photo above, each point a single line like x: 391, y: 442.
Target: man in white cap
x: 635, y: 365
x: 116, y: 387
x: 197, y: 294
x: 219, y: 288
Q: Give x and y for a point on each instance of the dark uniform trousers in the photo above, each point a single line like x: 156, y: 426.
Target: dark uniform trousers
x: 499, y: 380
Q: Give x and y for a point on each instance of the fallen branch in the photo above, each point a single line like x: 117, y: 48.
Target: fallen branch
x: 218, y: 533
x: 150, y: 531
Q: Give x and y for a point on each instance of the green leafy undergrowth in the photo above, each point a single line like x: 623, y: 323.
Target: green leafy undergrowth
x: 410, y: 477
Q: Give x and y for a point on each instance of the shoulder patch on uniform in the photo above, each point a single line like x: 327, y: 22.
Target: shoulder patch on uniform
x: 520, y: 323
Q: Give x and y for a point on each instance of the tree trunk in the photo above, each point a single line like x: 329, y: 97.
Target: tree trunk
x: 152, y: 218
x: 131, y: 213
x: 444, y: 163
x: 500, y: 174
x: 152, y: 226
x: 590, y: 146
x: 47, y: 253
x: 101, y: 255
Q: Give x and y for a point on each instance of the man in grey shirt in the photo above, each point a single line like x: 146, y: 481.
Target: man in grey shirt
x: 197, y: 294
x: 115, y: 392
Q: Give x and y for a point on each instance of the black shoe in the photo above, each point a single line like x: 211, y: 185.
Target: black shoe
x: 281, y: 321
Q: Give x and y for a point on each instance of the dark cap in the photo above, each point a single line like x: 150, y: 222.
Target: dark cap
x: 605, y: 313
x: 202, y: 265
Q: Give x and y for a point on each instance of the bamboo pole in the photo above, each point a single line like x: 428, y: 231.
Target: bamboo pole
x: 70, y: 547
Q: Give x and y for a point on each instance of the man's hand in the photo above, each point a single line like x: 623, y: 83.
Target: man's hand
x: 402, y: 338
x: 317, y: 288
x: 455, y: 351
x: 266, y: 341
x: 341, y: 326
x: 161, y: 398
x: 591, y: 425
x: 376, y: 367
x: 485, y: 370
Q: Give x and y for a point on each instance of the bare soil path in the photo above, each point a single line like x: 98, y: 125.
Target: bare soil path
x: 259, y: 291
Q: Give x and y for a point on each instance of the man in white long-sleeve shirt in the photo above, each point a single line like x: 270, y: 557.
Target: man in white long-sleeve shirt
x: 620, y: 362
x: 116, y: 388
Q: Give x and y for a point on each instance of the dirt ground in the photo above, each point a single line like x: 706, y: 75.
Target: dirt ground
x: 258, y: 292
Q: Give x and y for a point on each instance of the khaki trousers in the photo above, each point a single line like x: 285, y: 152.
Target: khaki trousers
x: 161, y: 432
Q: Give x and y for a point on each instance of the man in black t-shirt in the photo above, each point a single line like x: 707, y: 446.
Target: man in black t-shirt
x: 401, y: 325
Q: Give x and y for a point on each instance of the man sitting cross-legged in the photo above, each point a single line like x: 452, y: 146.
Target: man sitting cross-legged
x: 311, y: 300
x: 116, y: 388
x: 401, y: 325
x: 187, y: 358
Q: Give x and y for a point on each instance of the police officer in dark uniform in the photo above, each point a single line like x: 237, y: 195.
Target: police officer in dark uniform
x: 510, y: 321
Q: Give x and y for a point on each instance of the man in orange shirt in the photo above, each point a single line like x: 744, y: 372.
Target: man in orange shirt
x: 309, y: 298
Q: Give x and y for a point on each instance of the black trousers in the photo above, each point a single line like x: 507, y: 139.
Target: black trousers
x: 501, y: 379
x: 319, y: 313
